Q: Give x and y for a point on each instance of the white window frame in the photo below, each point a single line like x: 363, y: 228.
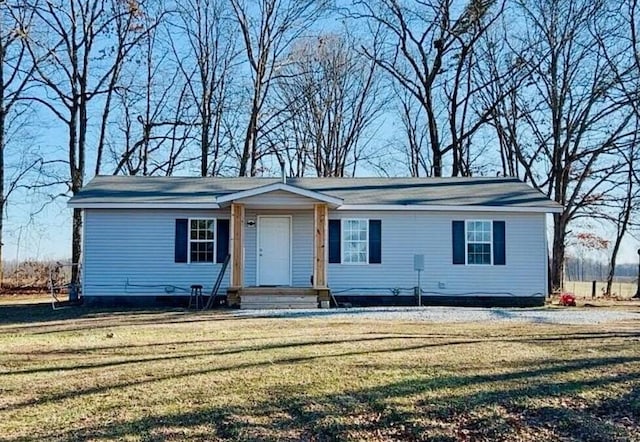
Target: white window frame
x: 189, y: 240
x: 343, y: 240
x: 466, y: 242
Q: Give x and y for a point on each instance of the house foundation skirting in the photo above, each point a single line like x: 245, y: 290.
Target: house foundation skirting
x: 322, y: 298
x: 136, y: 301
x: 448, y: 301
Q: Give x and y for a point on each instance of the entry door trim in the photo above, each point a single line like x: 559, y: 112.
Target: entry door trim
x: 290, y: 247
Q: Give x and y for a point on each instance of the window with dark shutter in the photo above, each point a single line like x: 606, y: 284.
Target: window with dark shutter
x: 202, y: 239
x: 479, y: 242
x: 355, y: 241
x: 478, y: 234
x: 334, y: 241
x: 375, y: 241
x: 181, y: 243
x: 457, y: 235
x: 499, y: 243
x: 222, y: 238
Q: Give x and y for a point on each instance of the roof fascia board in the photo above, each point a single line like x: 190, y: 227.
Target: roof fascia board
x: 445, y: 208
x: 115, y: 205
x: 280, y: 186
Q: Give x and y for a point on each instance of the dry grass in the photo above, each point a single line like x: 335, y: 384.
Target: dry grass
x: 27, y: 276
x: 619, y: 290
x: 79, y: 374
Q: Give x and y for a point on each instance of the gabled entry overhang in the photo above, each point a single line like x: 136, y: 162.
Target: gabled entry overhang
x: 271, y: 196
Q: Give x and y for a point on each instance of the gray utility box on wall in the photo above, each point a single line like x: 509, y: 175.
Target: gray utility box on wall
x: 418, y: 263
x: 418, y: 266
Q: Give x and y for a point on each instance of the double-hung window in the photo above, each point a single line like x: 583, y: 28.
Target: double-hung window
x: 202, y: 239
x: 355, y: 241
x: 479, y: 241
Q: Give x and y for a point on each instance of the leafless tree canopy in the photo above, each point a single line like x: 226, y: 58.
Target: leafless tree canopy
x: 430, y: 50
x: 329, y: 95
x: 268, y: 28
x: 545, y: 90
x: 563, y: 129
x: 208, y: 67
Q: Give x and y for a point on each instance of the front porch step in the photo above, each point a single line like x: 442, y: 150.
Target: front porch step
x: 278, y: 291
x: 278, y: 301
x: 277, y: 297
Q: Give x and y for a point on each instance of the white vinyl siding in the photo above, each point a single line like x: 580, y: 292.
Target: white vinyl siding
x: 427, y: 233
x: 130, y: 252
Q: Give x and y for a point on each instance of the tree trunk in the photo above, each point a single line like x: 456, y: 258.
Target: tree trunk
x: 76, y: 172
x: 246, y: 151
x: 2, y: 199
x: 204, y: 144
x: 622, y: 224
x: 247, y: 162
x: 558, y: 252
x: 436, y: 152
x: 612, y: 266
x: 76, y: 245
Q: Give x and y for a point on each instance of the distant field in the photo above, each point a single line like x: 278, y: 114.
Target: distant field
x: 583, y: 288
x: 80, y: 374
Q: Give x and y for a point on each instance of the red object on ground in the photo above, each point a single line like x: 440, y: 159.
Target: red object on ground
x: 568, y: 299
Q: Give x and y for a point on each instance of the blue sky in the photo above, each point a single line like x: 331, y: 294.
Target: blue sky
x: 39, y: 227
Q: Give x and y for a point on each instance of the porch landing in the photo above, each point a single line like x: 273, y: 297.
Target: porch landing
x: 277, y: 297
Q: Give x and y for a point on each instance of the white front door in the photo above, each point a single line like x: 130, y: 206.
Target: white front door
x: 274, y: 250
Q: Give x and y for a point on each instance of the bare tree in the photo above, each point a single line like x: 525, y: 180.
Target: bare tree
x: 15, y: 70
x: 430, y: 52
x: 154, y: 134
x: 415, y: 145
x: 330, y: 95
x: 500, y: 55
x: 130, y: 26
x: 207, y: 67
x: 623, y: 214
x: 268, y: 28
x: 77, y: 64
x: 622, y: 220
x: 155, y: 116
x: 567, y: 122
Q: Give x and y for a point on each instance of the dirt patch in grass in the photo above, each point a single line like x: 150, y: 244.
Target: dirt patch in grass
x: 81, y: 374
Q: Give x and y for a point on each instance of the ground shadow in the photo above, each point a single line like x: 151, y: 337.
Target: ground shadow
x: 538, y: 400
x: 497, y: 413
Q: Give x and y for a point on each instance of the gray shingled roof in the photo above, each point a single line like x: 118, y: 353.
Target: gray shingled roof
x: 472, y: 191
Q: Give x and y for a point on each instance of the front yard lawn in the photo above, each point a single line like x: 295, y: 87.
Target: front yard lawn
x: 81, y: 374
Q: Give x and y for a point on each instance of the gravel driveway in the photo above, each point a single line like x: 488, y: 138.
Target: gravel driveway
x: 454, y: 314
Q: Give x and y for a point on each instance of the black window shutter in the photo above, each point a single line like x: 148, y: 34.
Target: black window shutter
x: 181, y: 240
x: 222, y: 239
x: 499, y: 253
x: 457, y: 230
x: 334, y: 241
x: 375, y: 241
